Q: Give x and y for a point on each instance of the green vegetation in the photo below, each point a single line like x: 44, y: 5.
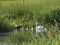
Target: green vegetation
x: 45, y: 12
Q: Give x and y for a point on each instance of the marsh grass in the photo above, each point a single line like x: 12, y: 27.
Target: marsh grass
x: 51, y: 37
x: 31, y: 11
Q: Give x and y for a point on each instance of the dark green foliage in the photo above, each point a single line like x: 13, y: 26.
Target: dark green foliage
x: 51, y: 17
x: 56, y: 14
x: 5, y: 28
